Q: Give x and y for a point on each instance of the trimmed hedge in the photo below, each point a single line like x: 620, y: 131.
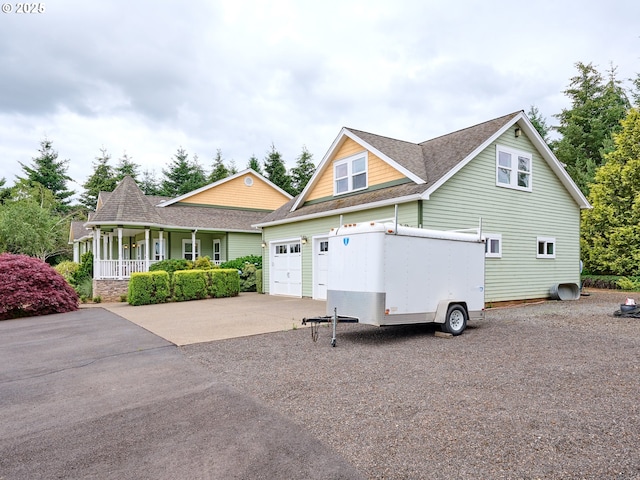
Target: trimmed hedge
x: 171, y: 265
x: 189, y: 285
x: 149, y: 288
x: 224, y: 282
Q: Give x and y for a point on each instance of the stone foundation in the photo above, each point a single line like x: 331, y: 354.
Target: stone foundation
x: 110, y: 290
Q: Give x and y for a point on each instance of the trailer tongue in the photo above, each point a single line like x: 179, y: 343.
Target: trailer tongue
x: 384, y: 274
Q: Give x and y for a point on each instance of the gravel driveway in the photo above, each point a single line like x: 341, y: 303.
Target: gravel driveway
x: 548, y: 390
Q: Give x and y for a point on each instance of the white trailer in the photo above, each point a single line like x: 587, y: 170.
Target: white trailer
x: 386, y: 274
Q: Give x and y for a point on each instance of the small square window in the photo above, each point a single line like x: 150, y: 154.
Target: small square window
x: 546, y: 247
x: 493, y: 245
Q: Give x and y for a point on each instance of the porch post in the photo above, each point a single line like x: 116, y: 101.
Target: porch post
x: 120, y: 253
x: 161, y: 242
x: 105, y: 246
x: 193, y: 245
x: 148, y: 252
x: 76, y: 252
x: 96, y: 254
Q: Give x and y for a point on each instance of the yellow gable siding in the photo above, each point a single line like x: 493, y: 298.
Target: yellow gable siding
x: 378, y: 171
x: 235, y: 193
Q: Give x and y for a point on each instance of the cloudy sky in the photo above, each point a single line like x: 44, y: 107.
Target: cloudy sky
x: 147, y: 77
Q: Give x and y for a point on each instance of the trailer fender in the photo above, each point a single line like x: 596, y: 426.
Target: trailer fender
x: 443, y: 307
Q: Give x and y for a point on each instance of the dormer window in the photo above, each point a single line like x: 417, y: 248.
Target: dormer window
x: 350, y: 174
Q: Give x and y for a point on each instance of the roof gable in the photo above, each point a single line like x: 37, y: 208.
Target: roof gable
x: 246, y: 189
x: 380, y: 147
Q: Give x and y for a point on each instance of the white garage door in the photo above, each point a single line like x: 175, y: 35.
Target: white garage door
x: 286, y: 269
x: 321, y: 257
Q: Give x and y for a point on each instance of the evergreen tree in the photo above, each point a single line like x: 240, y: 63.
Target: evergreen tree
x: 276, y: 171
x: 5, y: 192
x: 183, y: 175
x: 125, y: 167
x: 218, y: 169
x: 149, y: 183
x: 610, y: 231
x: 303, y: 171
x: 51, y: 173
x: 232, y: 167
x: 597, y: 106
x: 539, y: 122
x: 102, y: 180
x: 254, y: 164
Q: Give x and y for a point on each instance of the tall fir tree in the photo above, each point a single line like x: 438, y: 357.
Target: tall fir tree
x: 102, y: 180
x: 183, y: 175
x: 539, y: 122
x: 51, y: 173
x: 254, y: 164
x: 597, y: 106
x: 149, y: 183
x: 276, y: 171
x: 218, y: 169
x: 303, y: 171
x: 126, y: 166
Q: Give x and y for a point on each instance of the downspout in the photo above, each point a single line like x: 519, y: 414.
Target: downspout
x: 420, y: 213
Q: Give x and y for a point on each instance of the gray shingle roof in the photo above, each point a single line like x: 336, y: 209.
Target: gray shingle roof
x: 430, y: 160
x: 128, y: 205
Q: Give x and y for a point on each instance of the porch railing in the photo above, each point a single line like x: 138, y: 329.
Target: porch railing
x: 120, y: 268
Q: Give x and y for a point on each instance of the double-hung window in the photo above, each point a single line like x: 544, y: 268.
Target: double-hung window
x: 513, y: 168
x: 188, y: 252
x: 350, y: 174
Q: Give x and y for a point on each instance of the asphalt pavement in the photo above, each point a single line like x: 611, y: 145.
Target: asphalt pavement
x: 89, y: 394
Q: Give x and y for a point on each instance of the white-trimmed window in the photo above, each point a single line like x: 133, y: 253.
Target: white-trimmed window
x: 350, y: 174
x: 188, y: 252
x: 513, y: 168
x: 546, y: 247
x: 217, y: 251
x: 493, y: 245
x: 157, y: 254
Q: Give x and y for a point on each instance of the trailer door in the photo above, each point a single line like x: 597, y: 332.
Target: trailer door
x: 320, y: 267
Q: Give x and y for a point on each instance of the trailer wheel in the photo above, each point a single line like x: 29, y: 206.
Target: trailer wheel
x: 456, y: 320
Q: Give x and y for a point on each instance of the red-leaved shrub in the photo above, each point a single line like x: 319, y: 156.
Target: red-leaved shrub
x: 30, y: 287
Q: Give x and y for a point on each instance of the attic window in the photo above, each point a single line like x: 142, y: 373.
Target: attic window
x: 248, y: 181
x: 350, y: 174
x: 513, y: 168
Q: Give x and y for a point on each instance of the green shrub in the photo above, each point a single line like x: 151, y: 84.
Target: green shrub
x: 224, y: 282
x: 97, y: 299
x: 629, y: 284
x: 601, y: 281
x: 189, y: 285
x: 84, y: 271
x: 248, y: 278
x: 147, y: 288
x: 67, y: 269
x: 259, y: 288
x: 239, y: 263
x: 171, y: 265
x: 84, y: 288
x: 203, y: 263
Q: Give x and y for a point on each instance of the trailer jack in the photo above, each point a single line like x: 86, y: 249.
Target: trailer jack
x: 334, y: 319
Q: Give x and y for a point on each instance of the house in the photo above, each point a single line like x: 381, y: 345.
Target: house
x: 500, y: 173
x: 130, y: 231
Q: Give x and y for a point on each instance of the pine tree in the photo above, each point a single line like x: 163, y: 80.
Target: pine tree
x: 303, y: 171
x: 254, y: 164
x: 182, y: 176
x: 51, y: 173
x: 149, y: 183
x: 276, y: 171
x: 102, y: 180
x: 597, y: 106
x: 126, y: 166
x: 218, y: 169
x: 539, y: 122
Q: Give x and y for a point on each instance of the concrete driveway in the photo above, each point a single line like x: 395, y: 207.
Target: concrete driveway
x: 184, y: 323
x: 89, y: 394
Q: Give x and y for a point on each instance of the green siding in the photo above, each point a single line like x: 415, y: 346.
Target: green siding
x: 407, y: 215
x: 519, y: 216
x: 242, y: 244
